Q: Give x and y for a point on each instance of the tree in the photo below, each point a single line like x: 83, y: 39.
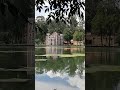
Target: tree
x: 56, y: 27
x: 60, y: 8
x: 105, y: 23
x: 78, y: 36
x: 98, y: 24
x: 41, y: 30
x: 67, y: 35
x: 73, y: 24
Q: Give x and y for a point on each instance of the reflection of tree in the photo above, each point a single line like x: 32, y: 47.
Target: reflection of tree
x: 104, y: 56
x: 81, y: 67
x: 40, y: 51
x: 102, y: 81
x: 69, y: 65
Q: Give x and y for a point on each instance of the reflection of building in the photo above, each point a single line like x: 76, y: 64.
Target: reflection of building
x: 96, y: 55
x: 54, y: 39
x: 54, y: 51
x: 95, y: 40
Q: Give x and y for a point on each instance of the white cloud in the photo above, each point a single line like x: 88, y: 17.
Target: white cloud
x: 57, y: 74
x: 76, y: 81
x: 51, y: 86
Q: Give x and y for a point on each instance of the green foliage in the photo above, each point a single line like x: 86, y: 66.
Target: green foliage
x: 106, y: 21
x: 42, y: 28
x: 106, y: 18
x: 73, y: 21
x: 58, y: 9
x: 56, y: 27
x: 67, y: 35
x: 78, y: 36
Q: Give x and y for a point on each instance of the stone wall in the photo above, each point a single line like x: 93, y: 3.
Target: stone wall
x: 94, y: 40
x: 54, y: 39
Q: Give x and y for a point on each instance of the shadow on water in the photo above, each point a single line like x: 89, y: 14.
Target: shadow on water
x: 102, y: 68
x: 17, y: 68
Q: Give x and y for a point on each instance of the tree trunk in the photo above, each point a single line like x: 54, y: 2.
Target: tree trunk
x: 109, y: 37
x: 101, y: 38
x: 109, y: 40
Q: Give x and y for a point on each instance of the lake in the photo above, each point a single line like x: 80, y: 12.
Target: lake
x: 17, y: 68
x: 102, y: 68
x: 60, y: 68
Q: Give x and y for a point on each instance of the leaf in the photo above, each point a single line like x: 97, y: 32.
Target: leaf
x: 53, y: 17
x: 46, y: 6
x: 46, y: 10
x: 51, y: 7
x: 83, y: 3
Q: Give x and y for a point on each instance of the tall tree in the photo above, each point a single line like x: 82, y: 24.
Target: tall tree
x: 105, y: 22
x: 67, y: 35
x: 56, y: 27
x: 41, y: 30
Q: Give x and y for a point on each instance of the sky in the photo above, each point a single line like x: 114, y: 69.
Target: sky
x: 42, y: 13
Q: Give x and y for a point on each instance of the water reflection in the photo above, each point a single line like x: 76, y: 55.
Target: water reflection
x: 102, y: 68
x: 54, y: 50
x: 61, y: 73
x: 16, y: 68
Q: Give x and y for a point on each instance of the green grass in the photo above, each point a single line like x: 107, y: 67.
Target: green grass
x: 62, y: 55
x: 71, y: 46
x: 37, y: 60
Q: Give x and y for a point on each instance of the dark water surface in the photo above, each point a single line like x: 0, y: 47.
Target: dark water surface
x: 60, y: 68
x: 102, y: 68
x: 17, y: 68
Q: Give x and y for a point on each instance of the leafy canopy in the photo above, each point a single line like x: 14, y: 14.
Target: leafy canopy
x: 59, y: 9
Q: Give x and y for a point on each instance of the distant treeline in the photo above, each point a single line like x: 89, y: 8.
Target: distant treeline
x: 72, y: 30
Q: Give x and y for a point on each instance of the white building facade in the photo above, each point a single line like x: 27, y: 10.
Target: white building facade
x: 54, y: 39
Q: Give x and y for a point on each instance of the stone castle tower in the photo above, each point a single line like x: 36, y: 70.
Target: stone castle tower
x: 54, y: 39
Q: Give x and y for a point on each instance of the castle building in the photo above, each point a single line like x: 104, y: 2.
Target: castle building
x: 95, y: 40
x: 54, y: 39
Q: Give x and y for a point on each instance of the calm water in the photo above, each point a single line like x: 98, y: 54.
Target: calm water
x: 59, y: 68
x: 16, y: 68
x: 102, y: 68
